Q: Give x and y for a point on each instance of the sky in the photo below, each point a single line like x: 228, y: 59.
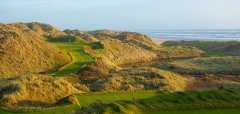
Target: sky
x: 124, y: 14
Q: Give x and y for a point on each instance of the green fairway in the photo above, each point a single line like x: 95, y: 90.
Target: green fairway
x: 87, y: 99
x: 79, y: 59
x: 75, y: 49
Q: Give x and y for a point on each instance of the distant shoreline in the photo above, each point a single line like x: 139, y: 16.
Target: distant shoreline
x: 160, y: 40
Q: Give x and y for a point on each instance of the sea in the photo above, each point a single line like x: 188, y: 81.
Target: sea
x: 203, y: 34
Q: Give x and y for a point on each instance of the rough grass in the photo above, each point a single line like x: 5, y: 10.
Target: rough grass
x: 205, y: 65
x: 211, y: 48
x: 137, y: 39
x: 225, y: 98
x: 34, y: 91
x: 81, y: 35
x: 117, y: 52
x: 23, y: 52
x: 87, y: 99
x: 145, y: 78
x: 41, y: 29
x: 168, y: 52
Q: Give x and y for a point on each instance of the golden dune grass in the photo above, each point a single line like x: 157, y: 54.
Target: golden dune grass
x: 34, y: 90
x: 24, y: 52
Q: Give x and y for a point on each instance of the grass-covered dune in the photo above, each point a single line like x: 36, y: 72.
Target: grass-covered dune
x: 139, y: 79
x: 23, y: 52
x: 84, y: 100
x: 137, y: 39
x: 104, y: 32
x: 204, y: 99
x: 81, y: 35
x: 171, y: 52
x: 42, y: 29
x: 34, y: 91
x: 120, y: 53
x: 205, y: 65
x: 211, y: 48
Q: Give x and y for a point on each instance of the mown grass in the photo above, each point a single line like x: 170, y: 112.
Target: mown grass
x: 188, y: 100
x: 87, y: 99
x: 214, y: 54
x: 75, y: 48
x: 79, y: 59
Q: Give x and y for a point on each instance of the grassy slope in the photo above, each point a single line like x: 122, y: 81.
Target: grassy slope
x: 227, y: 98
x: 203, y: 65
x: 76, y: 51
x: 210, y: 47
x: 86, y: 99
x: 23, y: 52
x: 201, y: 111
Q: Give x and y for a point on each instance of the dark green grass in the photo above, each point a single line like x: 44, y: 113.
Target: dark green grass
x: 87, y: 99
x: 189, y: 100
x: 201, y: 111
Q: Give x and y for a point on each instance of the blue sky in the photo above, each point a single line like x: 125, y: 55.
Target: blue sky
x: 125, y: 14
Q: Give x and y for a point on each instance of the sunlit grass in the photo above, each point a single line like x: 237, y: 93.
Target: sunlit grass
x: 79, y: 59
x: 87, y: 99
x: 75, y: 49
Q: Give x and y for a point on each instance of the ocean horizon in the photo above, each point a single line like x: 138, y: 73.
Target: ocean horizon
x: 196, y: 34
